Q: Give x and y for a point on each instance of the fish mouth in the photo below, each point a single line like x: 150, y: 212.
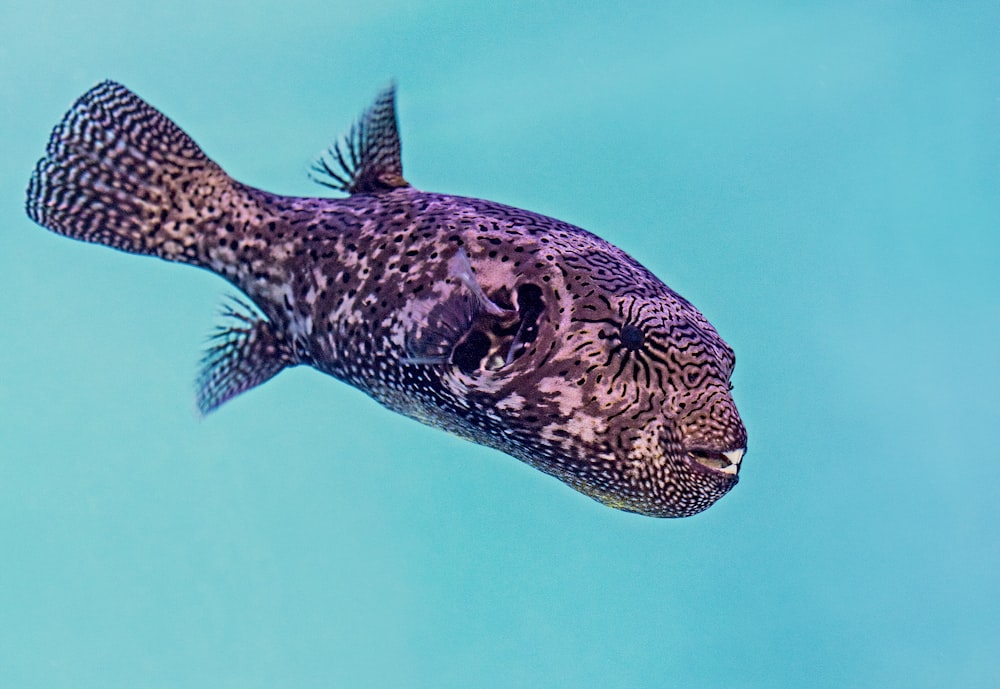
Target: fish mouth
x: 726, y: 462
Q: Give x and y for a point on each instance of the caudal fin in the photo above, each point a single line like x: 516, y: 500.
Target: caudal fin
x: 118, y: 172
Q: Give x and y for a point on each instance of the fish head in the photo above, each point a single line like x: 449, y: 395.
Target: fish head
x: 650, y: 407
x: 662, y: 387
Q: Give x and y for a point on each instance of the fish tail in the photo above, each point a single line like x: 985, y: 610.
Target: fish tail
x: 120, y: 173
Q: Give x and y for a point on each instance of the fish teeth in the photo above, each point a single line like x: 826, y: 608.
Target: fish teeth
x: 734, y: 457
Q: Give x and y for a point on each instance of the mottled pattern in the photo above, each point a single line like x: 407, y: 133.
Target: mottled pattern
x: 509, y: 328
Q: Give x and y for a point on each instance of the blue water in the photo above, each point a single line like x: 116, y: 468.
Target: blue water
x: 822, y: 180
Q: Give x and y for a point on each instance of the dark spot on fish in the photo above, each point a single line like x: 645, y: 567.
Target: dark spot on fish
x: 470, y: 352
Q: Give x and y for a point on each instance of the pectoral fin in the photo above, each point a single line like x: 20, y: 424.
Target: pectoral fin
x: 469, y: 330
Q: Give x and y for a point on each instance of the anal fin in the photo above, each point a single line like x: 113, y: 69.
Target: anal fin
x: 244, y: 352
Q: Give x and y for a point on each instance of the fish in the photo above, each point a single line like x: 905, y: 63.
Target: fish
x: 508, y: 328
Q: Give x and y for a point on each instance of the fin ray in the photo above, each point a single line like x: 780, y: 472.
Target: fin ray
x: 368, y: 157
x: 244, y: 352
x: 461, y: 268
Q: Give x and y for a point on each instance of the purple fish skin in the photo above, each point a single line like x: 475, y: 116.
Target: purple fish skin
x: 508, y: 328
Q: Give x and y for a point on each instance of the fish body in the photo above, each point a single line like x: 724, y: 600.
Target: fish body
x: 511, y: 329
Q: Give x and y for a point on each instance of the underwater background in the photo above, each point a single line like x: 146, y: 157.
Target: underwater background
x: 822, y: 180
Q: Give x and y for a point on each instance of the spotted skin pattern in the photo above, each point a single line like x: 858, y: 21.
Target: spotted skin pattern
x: 511, y: 329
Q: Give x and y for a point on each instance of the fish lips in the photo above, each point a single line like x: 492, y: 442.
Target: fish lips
x: 721, y: 464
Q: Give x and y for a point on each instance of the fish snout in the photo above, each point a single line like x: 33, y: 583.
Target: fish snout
x: 713, y: 437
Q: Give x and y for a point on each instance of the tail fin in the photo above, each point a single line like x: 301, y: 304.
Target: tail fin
x: 118, y: 172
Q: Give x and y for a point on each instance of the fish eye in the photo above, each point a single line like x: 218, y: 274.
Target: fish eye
x: 631, y: 336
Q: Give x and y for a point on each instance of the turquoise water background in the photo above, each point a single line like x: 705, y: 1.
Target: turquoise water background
x: 821, y: 179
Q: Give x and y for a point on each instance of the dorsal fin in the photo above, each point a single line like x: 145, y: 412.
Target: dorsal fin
x: 368, y: 158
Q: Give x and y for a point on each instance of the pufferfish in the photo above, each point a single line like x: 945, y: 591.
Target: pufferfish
x: 508, y: 328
